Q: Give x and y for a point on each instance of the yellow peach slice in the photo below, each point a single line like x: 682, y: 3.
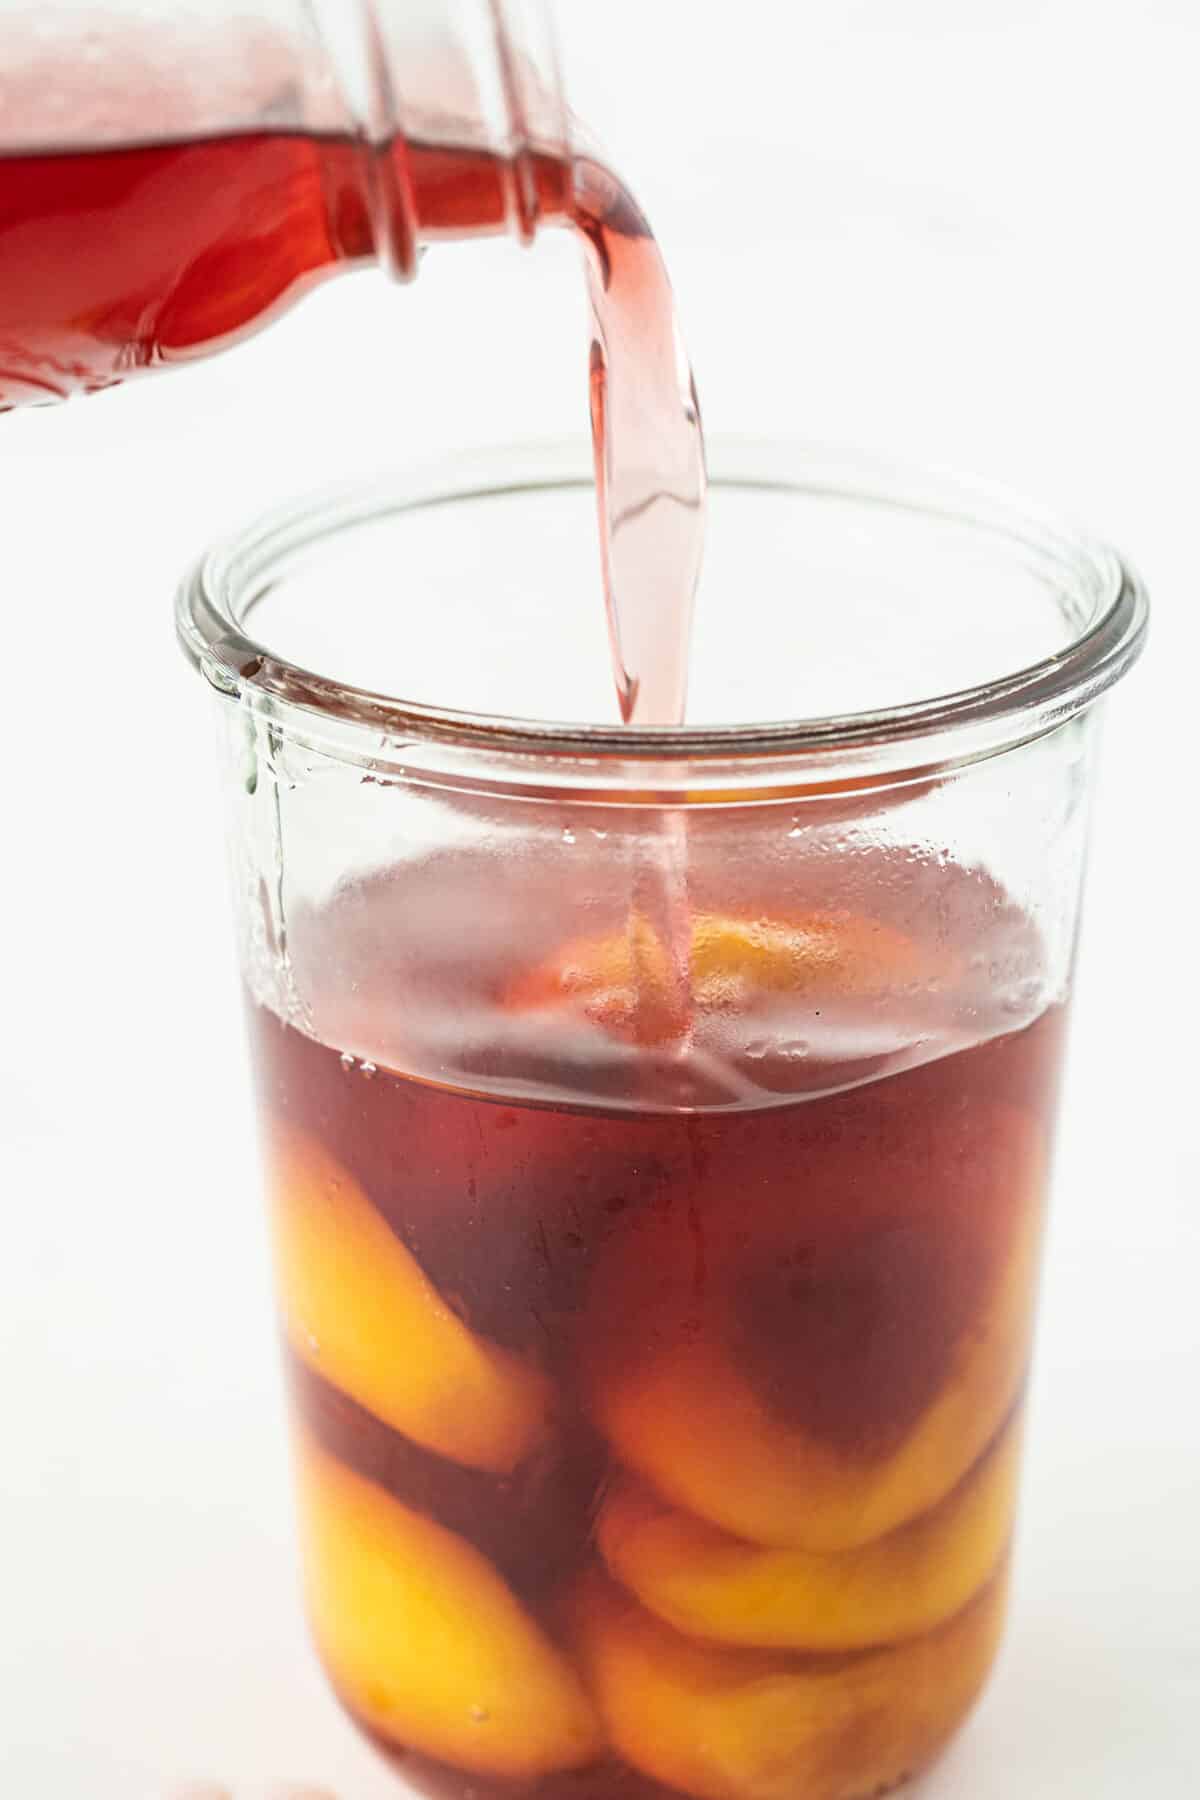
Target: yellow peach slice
x: 836, y: 953
x: 680, y: 1411
x: 425, y: 1642
x: 625, y: 980
x: 360, y: 1311
x: 752, y: 1725
x: 709, y: 1585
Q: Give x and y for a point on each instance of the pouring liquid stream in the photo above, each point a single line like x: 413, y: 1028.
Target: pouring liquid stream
x: 651, y: 485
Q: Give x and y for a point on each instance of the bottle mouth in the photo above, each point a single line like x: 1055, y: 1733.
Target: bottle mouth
x: 1094, y: 626
x: 481, y: 78
x: 530, y: 77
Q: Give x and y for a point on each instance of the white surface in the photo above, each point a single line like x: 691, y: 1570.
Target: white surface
x: 976, y: 242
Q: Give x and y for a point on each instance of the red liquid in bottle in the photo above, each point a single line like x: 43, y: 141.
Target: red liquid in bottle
x: 124, y: 259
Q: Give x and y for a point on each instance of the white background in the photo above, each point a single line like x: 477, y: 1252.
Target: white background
x: 961, y: 230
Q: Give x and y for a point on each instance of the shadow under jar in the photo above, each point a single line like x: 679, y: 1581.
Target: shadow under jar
x: 657, y: 1124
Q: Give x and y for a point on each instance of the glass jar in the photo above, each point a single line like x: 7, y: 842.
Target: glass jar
x: 173, y: 173
x: 658, y: 1122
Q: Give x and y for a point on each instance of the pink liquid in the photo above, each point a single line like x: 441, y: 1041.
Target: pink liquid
x: 650, y: 472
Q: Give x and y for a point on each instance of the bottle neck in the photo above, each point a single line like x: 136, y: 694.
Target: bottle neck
x: 459, y: 110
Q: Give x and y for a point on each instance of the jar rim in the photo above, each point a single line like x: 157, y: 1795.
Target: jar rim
x: 884, y: 745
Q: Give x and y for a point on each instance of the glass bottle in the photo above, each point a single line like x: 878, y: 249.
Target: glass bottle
x: 173, y: 173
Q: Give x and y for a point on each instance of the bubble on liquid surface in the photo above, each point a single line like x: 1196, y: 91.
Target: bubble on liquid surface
x: 1024, y: 995
x: 789, y: 1050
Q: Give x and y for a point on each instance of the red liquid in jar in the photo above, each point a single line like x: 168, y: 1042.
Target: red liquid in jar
x: 658, y: 1411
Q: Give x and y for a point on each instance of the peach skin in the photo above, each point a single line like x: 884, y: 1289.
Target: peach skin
x: 724, y: 1724
x: 674, y: 1389
x: 710, y: 1585
x: 424, y: 1641
x: 360, y: 1311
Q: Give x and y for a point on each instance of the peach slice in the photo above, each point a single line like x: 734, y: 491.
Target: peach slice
x: 709, y: 1585
x: 360, y: 1311
x: 424, y: 1641
x: 673, y: 1395
x: 836, y: 953
x: 625, y: 981
x: 751, y: 1725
